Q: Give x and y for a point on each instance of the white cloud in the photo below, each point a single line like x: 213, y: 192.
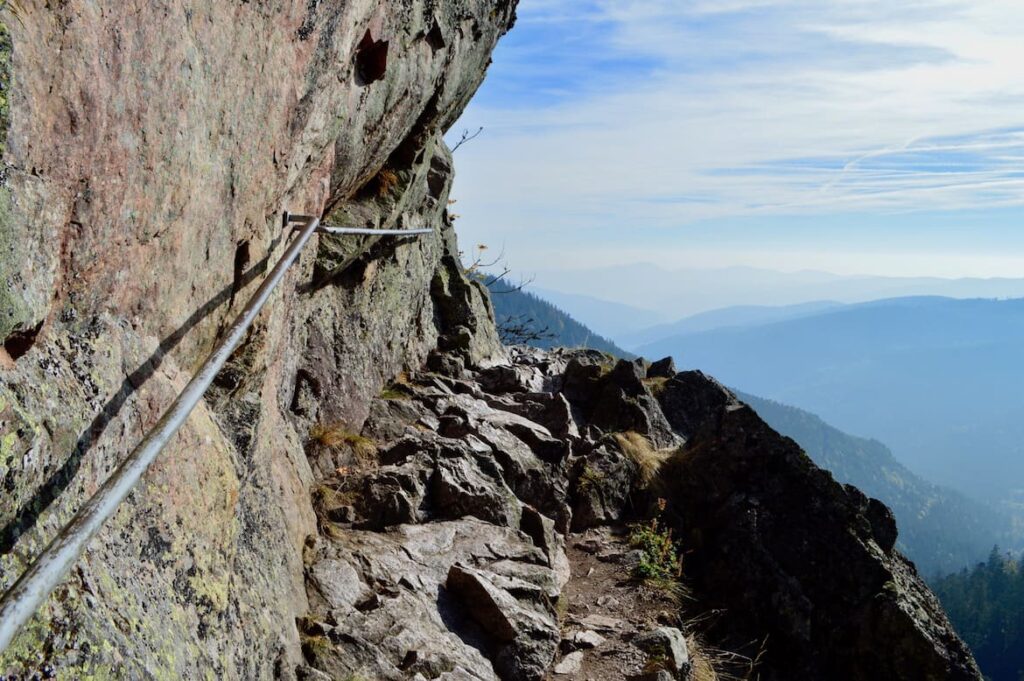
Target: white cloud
x: 792, y: 107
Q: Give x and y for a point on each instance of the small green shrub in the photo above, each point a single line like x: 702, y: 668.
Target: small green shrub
x: 590, y: 479
x: 659, y: 560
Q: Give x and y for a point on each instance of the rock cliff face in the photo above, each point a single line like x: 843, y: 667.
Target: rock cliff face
x: 149, y: 153
x: 374, y: 488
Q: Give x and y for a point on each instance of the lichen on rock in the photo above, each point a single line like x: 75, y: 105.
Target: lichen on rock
x: 149, y: 155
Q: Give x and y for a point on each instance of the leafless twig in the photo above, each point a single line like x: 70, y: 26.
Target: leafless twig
x: 522, y: 330
x: 466, y: 137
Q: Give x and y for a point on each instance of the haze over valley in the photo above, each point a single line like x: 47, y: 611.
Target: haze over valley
x: 935, y: 378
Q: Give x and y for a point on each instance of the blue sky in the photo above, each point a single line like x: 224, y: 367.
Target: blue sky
x: 856, y: 136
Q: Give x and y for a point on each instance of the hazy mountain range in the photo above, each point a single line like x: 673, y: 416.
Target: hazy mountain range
x: 673, y: 294
x: 940, y: 529
x: 523, y: 317
x: 739, y: 315
x: 937, y: 379
x: 604, y: 317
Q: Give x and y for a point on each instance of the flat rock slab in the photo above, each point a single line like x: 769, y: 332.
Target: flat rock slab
x: 570, y: 664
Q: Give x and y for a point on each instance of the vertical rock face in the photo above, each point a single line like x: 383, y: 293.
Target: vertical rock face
x: 149, y: 152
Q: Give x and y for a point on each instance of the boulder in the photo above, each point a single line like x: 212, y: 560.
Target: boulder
x: 615, y: 411
x: 583, y: 377
x: 511, y: 378
x: 541, y: 530
x: 602, y: 482
x: 757, y: 516
x: 472, y: 486
x: 692, y: 402
x: 587, y: 639
x: 525, y: 638
x: 663, y: 368
x: 666, y: 645
x: 570, y: 664
x: 394, y: 495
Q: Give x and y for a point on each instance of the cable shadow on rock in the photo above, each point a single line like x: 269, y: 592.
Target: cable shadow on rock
x: 28, y: 515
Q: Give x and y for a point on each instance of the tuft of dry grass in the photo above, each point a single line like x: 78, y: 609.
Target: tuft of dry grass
x: 701, y: 667
x: 399, y: 389
x: 335, y: 435
x: 385, y: 182
x: 641, y: 452
x: 712, y: 664
x: 655, y: 385
x: 562, y: 608
x: 327, y: 499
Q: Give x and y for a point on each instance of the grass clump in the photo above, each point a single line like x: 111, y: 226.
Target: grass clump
x: 327, y: 499
x: 335, y: 435
x: 385, y: 182
x: 641, y: 452
x: 655, y: 385
x: 709, y: 663
x: 393, y: 393
x: 562, y: 608
x: 399, y: 388
x: 590, y: 479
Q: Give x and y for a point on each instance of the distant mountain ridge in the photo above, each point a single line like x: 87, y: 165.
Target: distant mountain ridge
x: 727, y: 317
x: 683, y: 292
x: 603, y: 316
x: 937, y: 379
x: 939, y: 529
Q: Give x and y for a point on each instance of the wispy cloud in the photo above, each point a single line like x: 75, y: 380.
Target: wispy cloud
x: 660, y: 113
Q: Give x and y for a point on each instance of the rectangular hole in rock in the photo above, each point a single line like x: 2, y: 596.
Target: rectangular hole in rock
x: 241, y: 265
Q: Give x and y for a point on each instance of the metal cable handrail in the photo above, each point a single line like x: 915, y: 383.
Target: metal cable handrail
x: 20, y: 602
x: 327, y: 229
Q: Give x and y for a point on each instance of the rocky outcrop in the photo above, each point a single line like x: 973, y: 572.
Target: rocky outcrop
x: 790, y: 556
x: 457, y: 540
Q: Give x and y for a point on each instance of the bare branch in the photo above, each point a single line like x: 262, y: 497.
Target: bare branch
x: 523, y: 283
x: 478, y: 261
x: 522, y: 330
x: 466, y: 137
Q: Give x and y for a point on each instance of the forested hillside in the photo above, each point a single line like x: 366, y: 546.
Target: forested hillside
x: 939, y: 529
x: 523, y: 318
x: 986, y: 605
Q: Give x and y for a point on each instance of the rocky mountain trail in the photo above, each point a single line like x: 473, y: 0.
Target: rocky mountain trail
x: 608, y: 613
x: 477, y: 543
